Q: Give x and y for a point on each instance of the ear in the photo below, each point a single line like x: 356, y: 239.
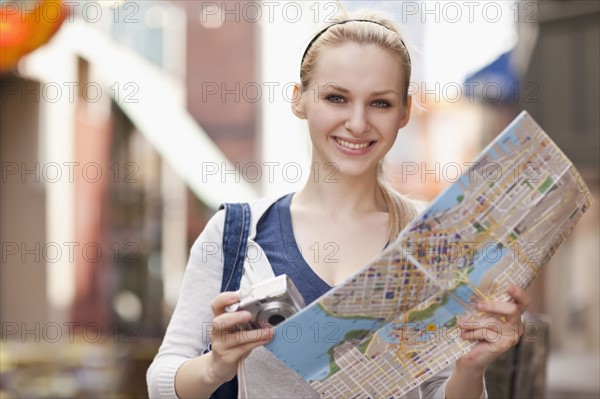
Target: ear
x: 297, y: 103
x: 406, y: 116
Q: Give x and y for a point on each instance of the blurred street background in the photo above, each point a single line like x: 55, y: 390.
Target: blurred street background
x: 124, y: 124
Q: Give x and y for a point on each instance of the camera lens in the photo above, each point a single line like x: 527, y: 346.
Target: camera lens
x: 275, y: 319
x: 274, y: 313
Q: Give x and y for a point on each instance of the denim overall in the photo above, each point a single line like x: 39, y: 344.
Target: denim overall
x: 235, y: 236
x: 276, y: 237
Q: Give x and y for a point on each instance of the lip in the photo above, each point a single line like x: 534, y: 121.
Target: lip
x: 350, y: 151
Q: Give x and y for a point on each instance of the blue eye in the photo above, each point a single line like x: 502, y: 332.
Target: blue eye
x: 381, y: 104
x: 334, y: 98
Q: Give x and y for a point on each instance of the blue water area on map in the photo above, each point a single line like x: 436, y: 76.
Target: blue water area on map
x: 448, y: 199
x: 493, y: 153
x: 441, y: 316
x: 510, y: 135
x: 302, y: 342
x: 488, y: 256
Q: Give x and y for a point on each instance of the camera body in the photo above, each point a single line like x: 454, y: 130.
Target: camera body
x: 269, y: 302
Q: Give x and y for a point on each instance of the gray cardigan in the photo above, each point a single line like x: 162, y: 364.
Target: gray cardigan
x: 187, y: 333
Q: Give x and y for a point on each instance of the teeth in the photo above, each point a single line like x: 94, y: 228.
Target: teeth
x: 352, y: 146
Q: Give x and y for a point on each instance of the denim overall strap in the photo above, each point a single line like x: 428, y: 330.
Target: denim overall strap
x: 235, y: 237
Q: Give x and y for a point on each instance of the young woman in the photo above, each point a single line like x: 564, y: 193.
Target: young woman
x: 353, y: 95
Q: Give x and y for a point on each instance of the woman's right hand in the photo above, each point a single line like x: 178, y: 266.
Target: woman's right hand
x: 228, y: 345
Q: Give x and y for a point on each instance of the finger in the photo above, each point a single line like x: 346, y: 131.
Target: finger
x: 230, y: 321
x: 508, y: 309
x: 520, y: 296
x: 482, y: 334
x: 231, y: 340
x: 495, y: 327
x: 258, y: 335
x: 241, y: 349
x: 222, y: 300
x: 486, y: 322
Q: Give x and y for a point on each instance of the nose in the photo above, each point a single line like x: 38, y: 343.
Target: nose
x: 357, y: 122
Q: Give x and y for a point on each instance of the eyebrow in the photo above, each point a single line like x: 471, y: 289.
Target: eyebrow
x: 343, y: 90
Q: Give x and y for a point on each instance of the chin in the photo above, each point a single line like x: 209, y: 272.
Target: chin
x: 354, y: 171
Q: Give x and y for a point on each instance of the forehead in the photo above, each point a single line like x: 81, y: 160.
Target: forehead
x: 358, y: 67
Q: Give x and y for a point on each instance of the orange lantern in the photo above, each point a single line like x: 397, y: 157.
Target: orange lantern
x: 25, y: 26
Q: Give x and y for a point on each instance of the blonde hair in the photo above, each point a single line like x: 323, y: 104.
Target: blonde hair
x: 385, y: 34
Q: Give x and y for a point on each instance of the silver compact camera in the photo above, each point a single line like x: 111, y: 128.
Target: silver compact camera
x: 270, y: 302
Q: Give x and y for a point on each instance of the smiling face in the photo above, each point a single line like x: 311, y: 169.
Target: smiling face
x: 354, y: 107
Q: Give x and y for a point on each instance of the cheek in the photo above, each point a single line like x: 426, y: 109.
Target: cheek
x: 389, y: 127
x: 322, y: 122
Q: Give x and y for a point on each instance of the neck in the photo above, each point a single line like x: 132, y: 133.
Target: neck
x: 337, y: 194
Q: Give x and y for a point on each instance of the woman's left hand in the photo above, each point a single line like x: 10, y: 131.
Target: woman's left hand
x: 494, y: 335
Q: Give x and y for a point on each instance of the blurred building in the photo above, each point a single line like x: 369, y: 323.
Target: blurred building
x: 563, y: 88
x: 99, y: 210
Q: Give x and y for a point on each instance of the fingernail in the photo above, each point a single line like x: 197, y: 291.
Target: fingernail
x: 267, y: 333
x: 481, y: 305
